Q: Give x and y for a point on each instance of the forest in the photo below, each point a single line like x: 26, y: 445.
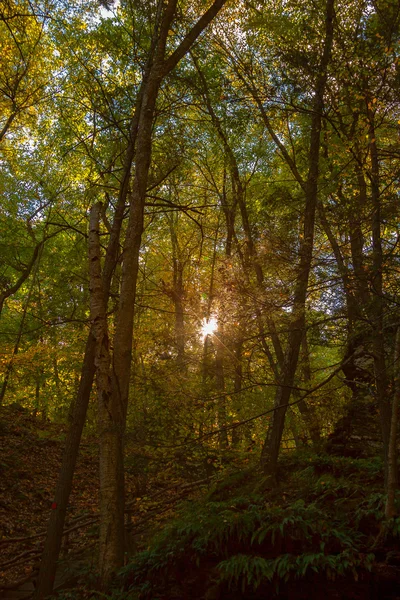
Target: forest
x: 199, y: 299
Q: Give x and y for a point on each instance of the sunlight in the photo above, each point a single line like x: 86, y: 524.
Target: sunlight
x: 209, y: 326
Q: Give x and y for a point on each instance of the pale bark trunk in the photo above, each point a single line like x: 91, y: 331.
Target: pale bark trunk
x: 56, y: 521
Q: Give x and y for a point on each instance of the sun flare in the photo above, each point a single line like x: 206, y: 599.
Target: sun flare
x: 209, y: 326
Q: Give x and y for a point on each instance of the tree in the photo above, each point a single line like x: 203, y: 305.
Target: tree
x: 309, y: 186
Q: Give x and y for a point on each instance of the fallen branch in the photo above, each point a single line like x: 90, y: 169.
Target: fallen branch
x: 43, y: 533
x: 19, y: 556
x: 16, y: 584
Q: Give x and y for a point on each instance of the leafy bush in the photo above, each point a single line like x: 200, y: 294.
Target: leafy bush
x: 246, y: 537
x: 247, y: 542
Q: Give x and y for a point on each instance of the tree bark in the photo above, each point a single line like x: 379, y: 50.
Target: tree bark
x: 220, y: 388
x: 306, y: 410
x: 270, y: 451
x: 376, y: 306
x: 110, y: 548
x: 56, y: 521
x: 55, y: 526
x: 392, y: 476
x: 177, y: 293
x: 159, y: 68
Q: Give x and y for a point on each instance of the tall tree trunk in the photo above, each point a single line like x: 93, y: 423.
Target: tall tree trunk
x: 206, y: 364
x: 220, y: 388
x: 392, y: 476
x: 270, y: 451
x: 377, y: 303
x: 237, y: 388
x: 56, y: 521
x: 55, y: 526
x: 121, y: 361
x: 307, y: 411
x: 177, y: 292
x: 357, y: 300
x: 109, y: 546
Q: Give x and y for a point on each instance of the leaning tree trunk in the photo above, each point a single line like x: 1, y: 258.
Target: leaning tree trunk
x: 270, y: 451
x: 56, y: 521
x: 55, y: 527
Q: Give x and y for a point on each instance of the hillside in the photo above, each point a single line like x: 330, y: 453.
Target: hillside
x: 31, y: 451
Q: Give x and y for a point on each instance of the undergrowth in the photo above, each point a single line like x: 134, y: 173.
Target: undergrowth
x: 245, y: 536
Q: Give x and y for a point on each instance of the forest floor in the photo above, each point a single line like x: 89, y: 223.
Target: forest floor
x: 30, y: 459
x: 320, y: 524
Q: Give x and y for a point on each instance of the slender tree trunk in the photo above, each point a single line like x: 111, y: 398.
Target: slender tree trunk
x: 206, y: 366
x: 306, y: 410
x: 270, y: 451
x: 56, y: 521
x: 229, y: 209
x: 376, y: 307
x: 357, y: 300
x: 179, y: 313
x: 55, y: 526
x: 237, y: 388
x: 357, y: 240
x: 110, y: 547
x: 177, y: 293
x: 392, y: 476
x: 220, y: 388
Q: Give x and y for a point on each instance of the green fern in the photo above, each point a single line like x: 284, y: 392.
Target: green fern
x: 251, y: 571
